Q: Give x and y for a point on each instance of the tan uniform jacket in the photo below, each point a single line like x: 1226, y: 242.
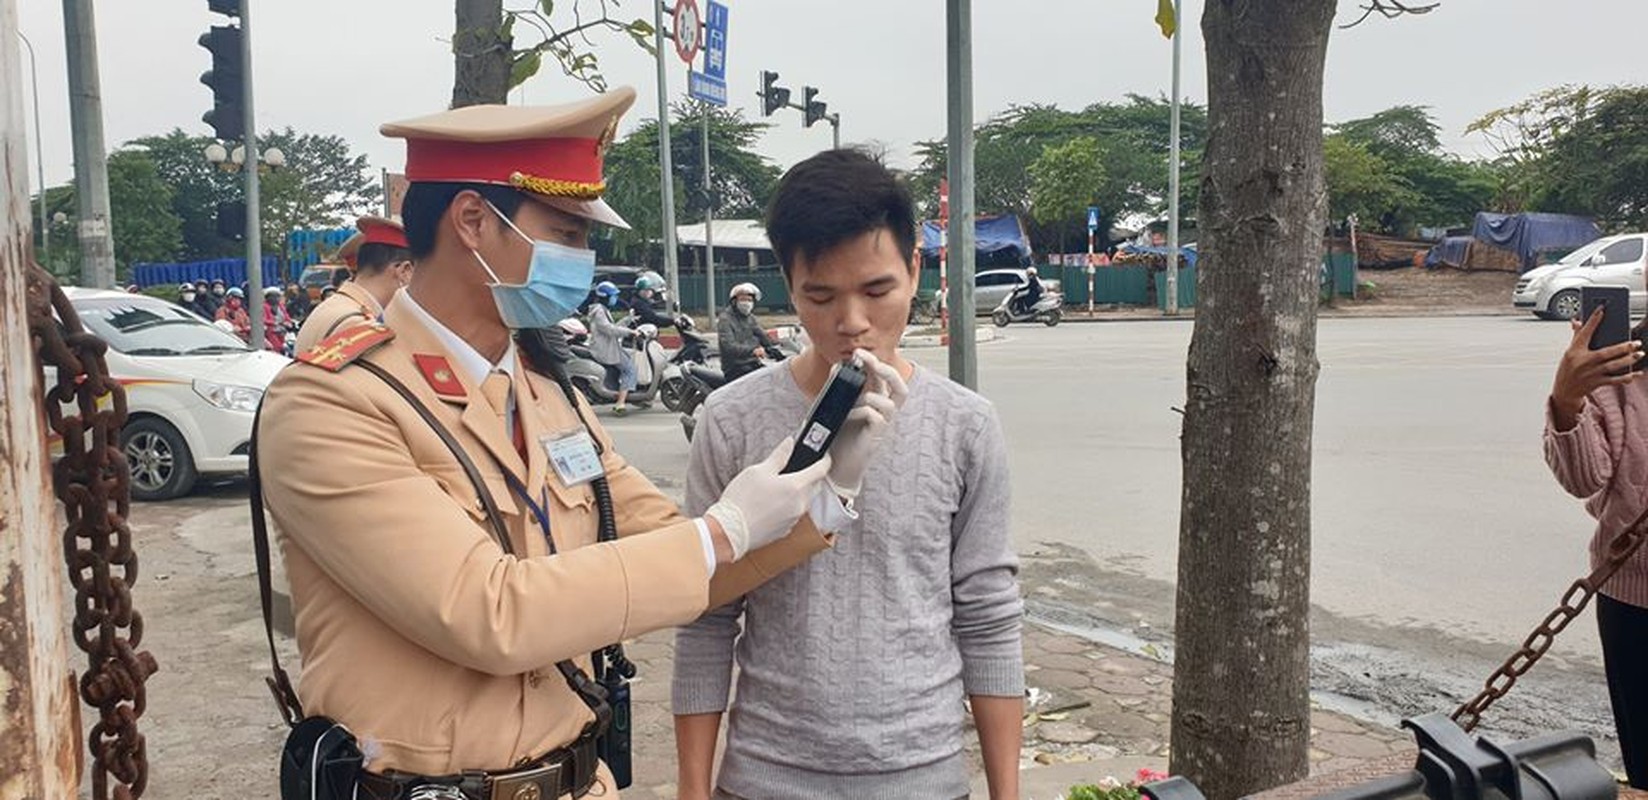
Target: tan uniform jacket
x: 417, y: 631
x: 350, y: 305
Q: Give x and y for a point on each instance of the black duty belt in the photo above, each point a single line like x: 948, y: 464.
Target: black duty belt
x: 567, y: 770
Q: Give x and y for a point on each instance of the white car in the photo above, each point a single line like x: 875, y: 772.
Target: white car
x: 992, y: 285
x: 191, y: 389
x: 1552, y: 291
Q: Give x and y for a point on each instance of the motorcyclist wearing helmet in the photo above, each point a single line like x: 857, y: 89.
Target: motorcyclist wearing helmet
x: 647, y: 288
x: 276, y: 320
x: 190, y: 297
x: 1025, y: 297
x: 606, y: 343
x: 233, y: 311
x: 743, y: 340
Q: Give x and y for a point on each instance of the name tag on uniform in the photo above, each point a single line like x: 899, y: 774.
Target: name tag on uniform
x: 574, y: 458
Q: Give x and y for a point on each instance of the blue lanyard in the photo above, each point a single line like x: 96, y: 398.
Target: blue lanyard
x: 539, y: 511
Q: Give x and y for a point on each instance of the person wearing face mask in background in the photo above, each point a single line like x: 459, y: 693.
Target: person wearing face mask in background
x: 212, y: 295
x: 382, y: 265
x: 740, y: 336
x: 233, y: 311
x: 606, y: 343
x: 439, y: 499
x: 189, y: 297
x: 297, y: 303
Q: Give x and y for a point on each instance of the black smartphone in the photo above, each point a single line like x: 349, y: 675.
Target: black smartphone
x: 1615, y: 302
x: 829, y: 411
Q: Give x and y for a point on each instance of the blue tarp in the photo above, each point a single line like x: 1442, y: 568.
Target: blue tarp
x: 1186, y: 252
x: 305, y: 247
x: 229, y: 270
x: 991, y: 234
x: 1451, y: 252
x: 1529, y: 234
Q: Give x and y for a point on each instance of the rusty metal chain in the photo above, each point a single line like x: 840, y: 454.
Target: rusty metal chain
x: 92, y: 481
x: 1572, y: 604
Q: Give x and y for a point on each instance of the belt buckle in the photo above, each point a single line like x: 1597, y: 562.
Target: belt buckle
x: 538, y: 783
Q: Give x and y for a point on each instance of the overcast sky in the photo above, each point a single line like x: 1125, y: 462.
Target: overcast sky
x: 345, y: 66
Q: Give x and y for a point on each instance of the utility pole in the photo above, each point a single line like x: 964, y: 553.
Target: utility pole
x: 39, y: 155
x: 709, y: 222
x: 91, y: 171
x: 1173, y: 176
x: 959, y: 56
x: 254, y: 226
x: 666, y: 190
x: 41, y: 756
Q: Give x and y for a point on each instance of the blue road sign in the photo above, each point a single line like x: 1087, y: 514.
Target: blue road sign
x: 715, y: 44
x: 708, y: 89
x: 1092, y: 219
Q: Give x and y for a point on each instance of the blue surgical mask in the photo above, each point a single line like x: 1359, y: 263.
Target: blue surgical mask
x: 557, y: 280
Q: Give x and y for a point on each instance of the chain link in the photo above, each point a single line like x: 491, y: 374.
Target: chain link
x: 1572, y: 604
x: 92, y: 481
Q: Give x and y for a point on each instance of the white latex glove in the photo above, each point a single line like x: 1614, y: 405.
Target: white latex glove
x: 760, y: 506
x: 867, y: 424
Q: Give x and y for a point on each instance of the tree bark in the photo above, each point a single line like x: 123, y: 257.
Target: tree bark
x: 1241, y: 706
x: 480, y: 55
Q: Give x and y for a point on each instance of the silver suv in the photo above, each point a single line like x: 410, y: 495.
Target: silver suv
x: 1552, y: 291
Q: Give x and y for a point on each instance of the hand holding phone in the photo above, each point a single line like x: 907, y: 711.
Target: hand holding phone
x: 1591, y: 362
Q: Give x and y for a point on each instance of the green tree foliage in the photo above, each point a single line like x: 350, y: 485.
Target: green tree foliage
x: 322, y: 185
x: 741, y: 179
x: 1391, y: 171
x: 1134, y: 137
x: 1576, y: 150
x: 1065, y: 180
x: 140, y: 206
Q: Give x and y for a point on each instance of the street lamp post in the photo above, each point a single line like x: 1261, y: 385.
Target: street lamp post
x: 39, y: 154
x: 236, y: 161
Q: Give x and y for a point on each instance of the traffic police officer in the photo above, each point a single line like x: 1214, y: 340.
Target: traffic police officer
x: 441, y: 648
x: 381, y: 262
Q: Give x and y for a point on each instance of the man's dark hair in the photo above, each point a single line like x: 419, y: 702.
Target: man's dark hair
x: 835, y: 196
x: 375, y: 257
x: 424, y: 204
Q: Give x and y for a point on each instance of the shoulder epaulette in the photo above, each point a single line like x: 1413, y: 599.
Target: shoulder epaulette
x: 340, y: 350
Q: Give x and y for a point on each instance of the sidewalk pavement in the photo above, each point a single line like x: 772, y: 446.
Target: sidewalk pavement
x: 1096, y: 712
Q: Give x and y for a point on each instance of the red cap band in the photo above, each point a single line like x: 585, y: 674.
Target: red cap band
x: 440, y: 160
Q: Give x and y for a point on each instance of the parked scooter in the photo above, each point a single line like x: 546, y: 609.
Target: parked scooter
x: 600, y: 388
x: 694, y: 351
x: 1048, y: 310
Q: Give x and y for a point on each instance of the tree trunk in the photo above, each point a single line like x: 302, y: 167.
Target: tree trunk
x: 480, y: 56
x: 1241, y: 707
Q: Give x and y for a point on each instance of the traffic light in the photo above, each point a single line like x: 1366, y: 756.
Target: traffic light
x: 228, y: 116
x: 814, y: 109
x: 231, y: 219
x: 773, y: 97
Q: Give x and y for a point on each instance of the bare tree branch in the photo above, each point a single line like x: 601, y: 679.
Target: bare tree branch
x: 1390, y: 9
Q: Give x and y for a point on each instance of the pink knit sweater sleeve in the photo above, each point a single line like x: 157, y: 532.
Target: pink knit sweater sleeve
x: 1583, y: 458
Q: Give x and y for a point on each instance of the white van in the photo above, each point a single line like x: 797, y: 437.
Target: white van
x: 1552, y: 291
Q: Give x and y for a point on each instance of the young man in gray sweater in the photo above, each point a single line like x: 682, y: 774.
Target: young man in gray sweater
x: 853, y: 667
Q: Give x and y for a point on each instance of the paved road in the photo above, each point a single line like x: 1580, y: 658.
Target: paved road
x: 1432, y: 504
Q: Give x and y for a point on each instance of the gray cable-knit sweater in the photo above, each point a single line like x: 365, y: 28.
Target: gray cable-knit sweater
x: 853, y: 666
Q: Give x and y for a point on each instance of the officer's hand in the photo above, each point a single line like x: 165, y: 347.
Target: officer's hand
x: 867, y: 425
x: 760, y: 506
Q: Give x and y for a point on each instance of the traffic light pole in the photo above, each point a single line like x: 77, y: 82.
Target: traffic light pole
x: 254, y: 228
x: 91, y: 174
x: 709, y: 222
x: 959, y: 56
x: 666, y: 189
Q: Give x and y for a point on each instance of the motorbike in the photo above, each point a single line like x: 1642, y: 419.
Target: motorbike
x: 594, y: 380
x: 694, y: 351
x: 701, y: 380
x: 1048, y: 310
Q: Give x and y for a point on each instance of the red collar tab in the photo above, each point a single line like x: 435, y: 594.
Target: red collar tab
x: 438, y: 372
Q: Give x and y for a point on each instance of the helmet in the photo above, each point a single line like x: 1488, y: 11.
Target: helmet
x: 573, y: 328
x: 1029, y: 270
x: 185, y: 287
x: 217, y: 282
x: 606, y: 289
x: 234, y: 291
x: 648, y: 281
x: 271, y: 290
x: 745, y: 288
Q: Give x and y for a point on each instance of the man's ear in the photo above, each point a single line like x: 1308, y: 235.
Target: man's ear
x: 466, y: 218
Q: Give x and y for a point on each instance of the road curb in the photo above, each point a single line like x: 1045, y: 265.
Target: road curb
x: 935, y: 340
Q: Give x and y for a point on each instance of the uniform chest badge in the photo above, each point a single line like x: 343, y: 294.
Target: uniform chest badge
x: 438, y: 373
